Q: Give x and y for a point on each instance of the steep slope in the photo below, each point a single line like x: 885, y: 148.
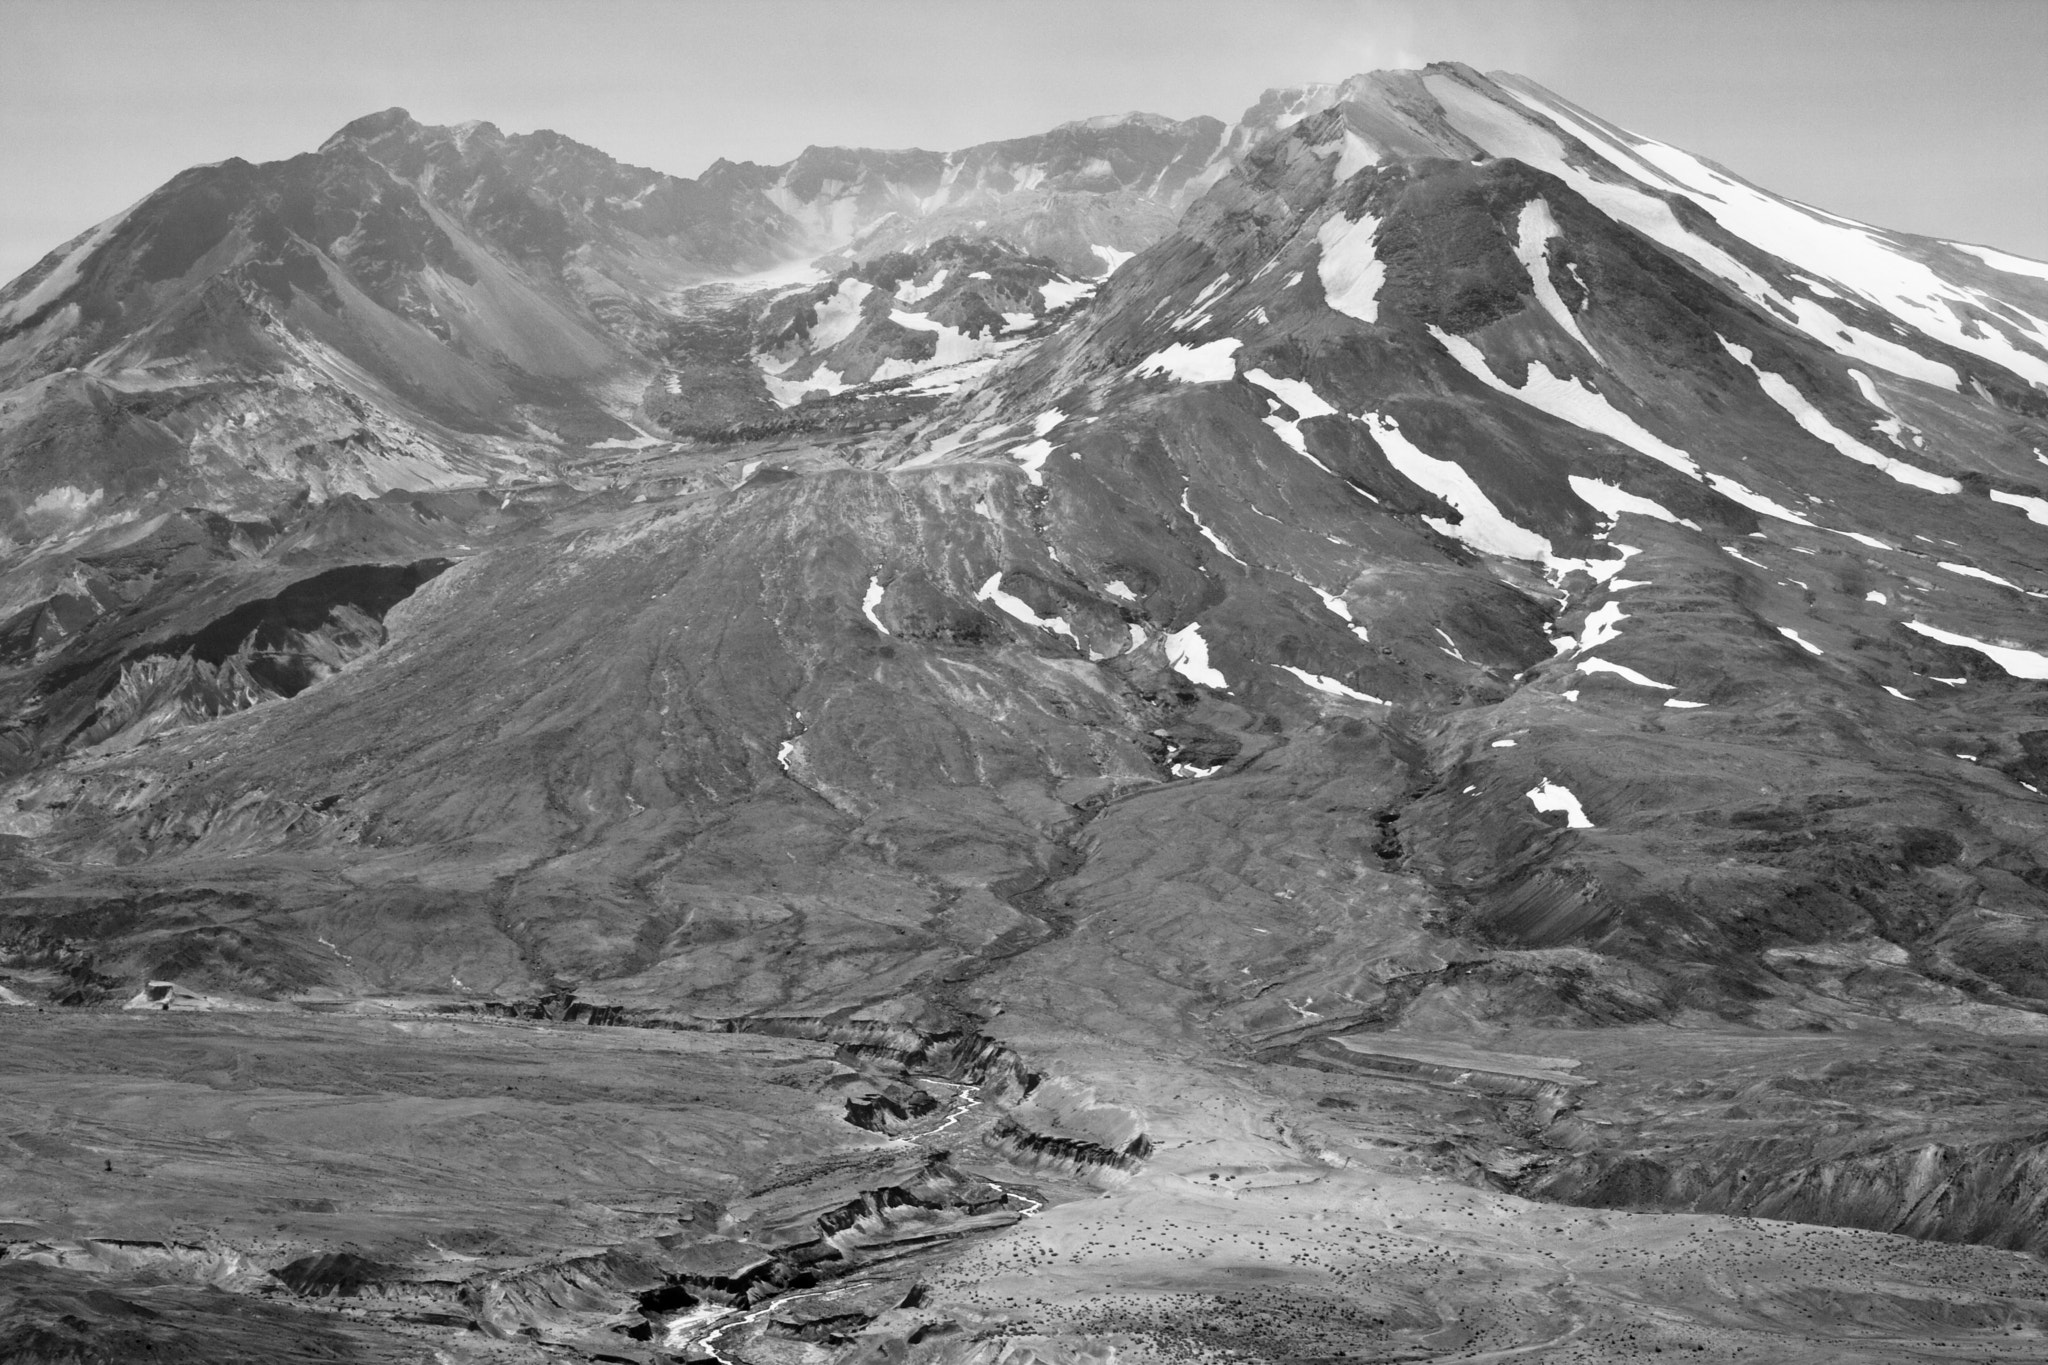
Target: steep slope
x: 1491, y: 664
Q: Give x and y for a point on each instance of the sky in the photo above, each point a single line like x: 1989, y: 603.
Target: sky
x: 1929, y: 116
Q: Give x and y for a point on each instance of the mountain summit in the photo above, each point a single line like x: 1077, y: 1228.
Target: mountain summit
x: 1408, y: 728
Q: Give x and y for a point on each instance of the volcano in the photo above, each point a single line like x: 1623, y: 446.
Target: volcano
x: 1409, y: 728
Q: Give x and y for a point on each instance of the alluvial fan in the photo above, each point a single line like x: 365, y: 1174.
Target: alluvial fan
x: 1408, y: 729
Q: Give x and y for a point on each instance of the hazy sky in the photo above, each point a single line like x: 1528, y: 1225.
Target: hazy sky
x: 1931, y: 116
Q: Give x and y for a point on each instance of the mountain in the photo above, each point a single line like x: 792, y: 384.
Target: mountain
x: 1443, y: 762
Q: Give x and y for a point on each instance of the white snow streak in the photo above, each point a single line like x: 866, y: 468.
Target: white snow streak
x: 1534, y: 231
x: 2020, y: 663
x: 1627, y: 674
x: 1321, y: 683
x: 1966, y: 571
x: 1207, y: 534
x: 872, y: 600
x: 1811, y: 421
x: 1484, y: 528
x: 2035, y: 508
x: 1611, y: 502
x: 992, y: 591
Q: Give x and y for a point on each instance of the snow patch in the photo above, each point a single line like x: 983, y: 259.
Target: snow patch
x: 1209, y: 363
x: 1062, y: 292
x: 1012, y: 605
x: 906, y: 292
x: 1112, y: 258
x: 2005, y: 261
x: 1484, y: 527
x: 1793, y: 636
x: 788, y: 393
x: 1626, y: 674
x: 839, y: 314
x: 66, y: 502
x: 1967, y: 571
x: 870, y: 602
x: 1188, y: 653
x: 2035, y: 508
x: 1811, y: 421
x: 1611, y: 502
x: 1295, y: 393
x: 2020, y: 663
x: 1601, y: 626
x: 1321, y: 683
x: 1032, y: 455
x: 1677, y: 705
x: 1549, y: 796
x: 1568, y: 400
x: 1350, y: 270
x: 1306, y: 403
x: 1534, y: 231
x: 1207, y: 534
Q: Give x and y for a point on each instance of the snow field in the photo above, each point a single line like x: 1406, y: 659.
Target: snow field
x: 1188, y: 654
x: 1350, y: 270
x: 1854, y: 257
x: 1209, y: 363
